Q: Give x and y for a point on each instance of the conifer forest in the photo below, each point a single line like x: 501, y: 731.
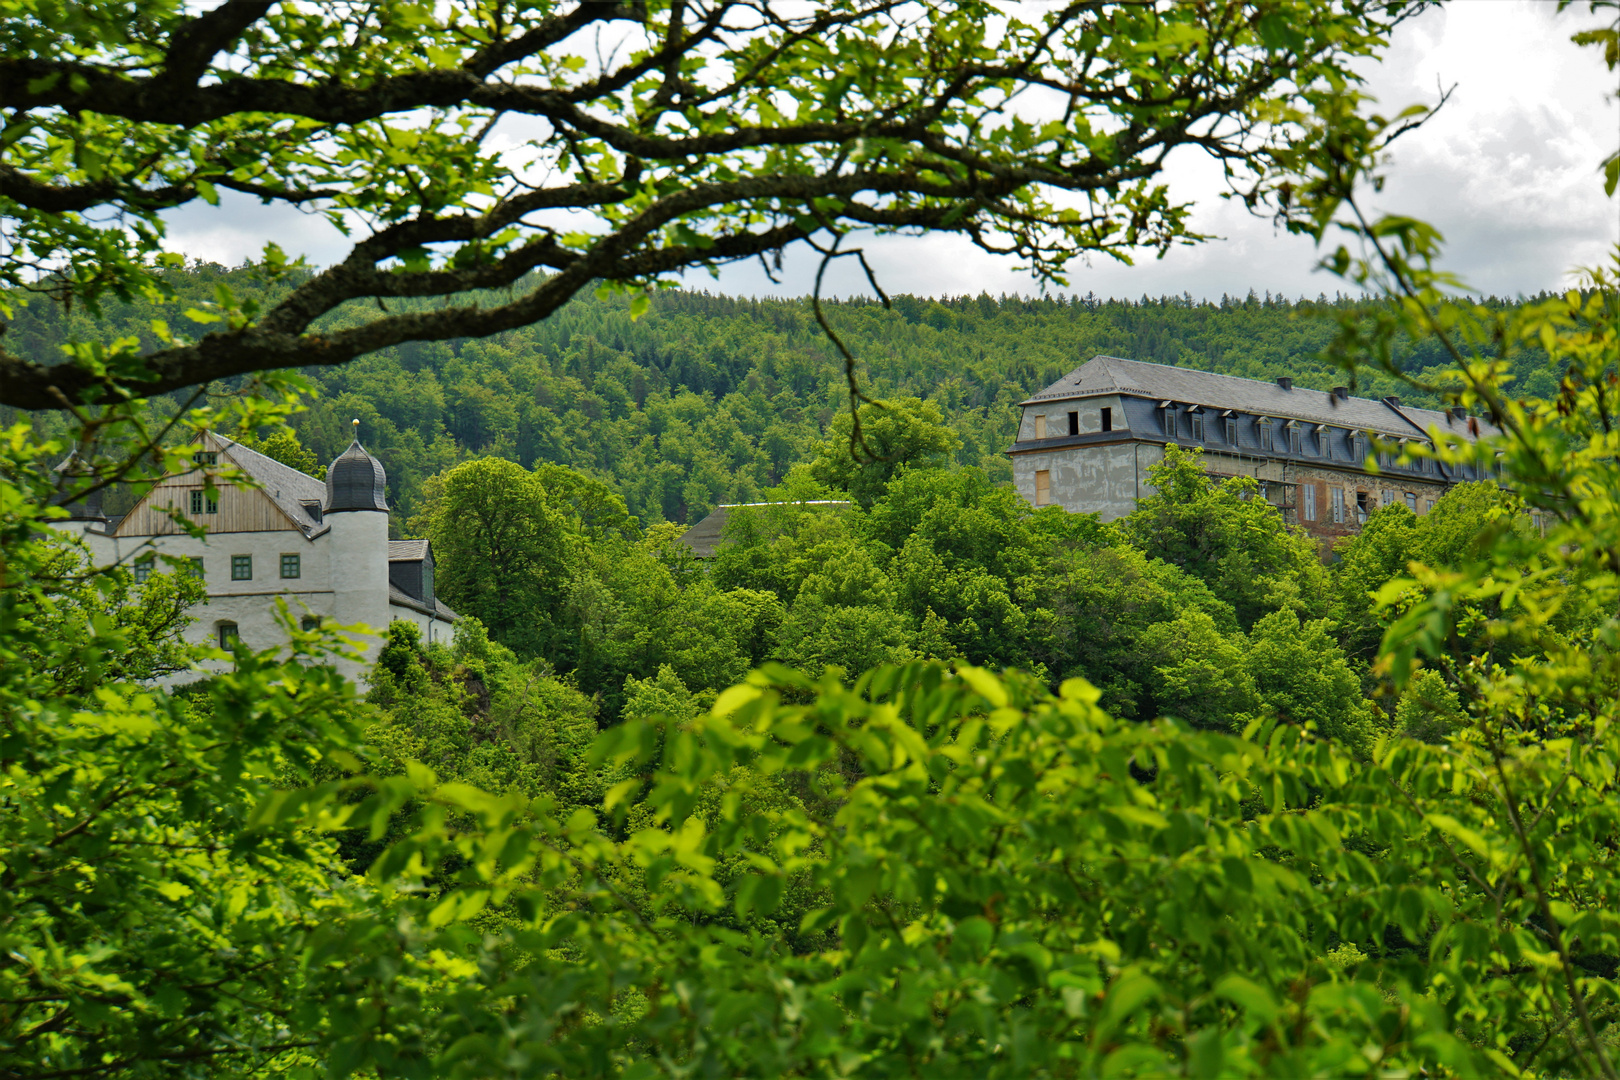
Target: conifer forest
x: 911, y: 778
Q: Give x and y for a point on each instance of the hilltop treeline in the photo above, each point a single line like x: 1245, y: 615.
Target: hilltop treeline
x: 707, y: 399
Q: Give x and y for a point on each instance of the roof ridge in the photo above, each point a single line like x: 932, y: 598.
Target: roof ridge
x: 1396, y: 409
x: 266, y: 471
x: 1104, y: 375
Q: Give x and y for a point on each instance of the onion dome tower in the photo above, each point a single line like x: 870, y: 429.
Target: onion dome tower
x: 356, y: 480
x: 356, y: 543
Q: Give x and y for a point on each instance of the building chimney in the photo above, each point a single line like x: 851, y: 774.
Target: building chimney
x: 1341, y: 393
x: 1285, y: 382
x: 1392, y: 401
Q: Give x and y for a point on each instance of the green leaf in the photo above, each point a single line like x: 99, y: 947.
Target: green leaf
x: 1251, y: 997
x: 758, y: 893
x: 1460, y: 832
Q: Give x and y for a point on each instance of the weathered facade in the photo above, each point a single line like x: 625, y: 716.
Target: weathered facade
x: 1086, y: 443
x: 323, y: 548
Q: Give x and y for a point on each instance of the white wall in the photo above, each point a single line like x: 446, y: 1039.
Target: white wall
x: 358, y: 549
x: 434, y: 630
x: 343, y: 578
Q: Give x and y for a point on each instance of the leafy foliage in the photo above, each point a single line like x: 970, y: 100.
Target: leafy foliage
x: 711, y: 132
x: 926, y: 869
x: 709, y: 399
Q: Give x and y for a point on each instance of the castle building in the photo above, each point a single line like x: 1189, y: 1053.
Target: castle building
x: 1086, y: 443
x: 324, y: 548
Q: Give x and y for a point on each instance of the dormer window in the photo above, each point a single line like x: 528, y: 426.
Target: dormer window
x: 1296, y: 438
x: 1195, y: 425
x: 1231, y: 428
x: 1167, y: 418
x: 1324, y: 442
x: 1263, y: 426
x: 1360, y: 449
x: 313, y: 509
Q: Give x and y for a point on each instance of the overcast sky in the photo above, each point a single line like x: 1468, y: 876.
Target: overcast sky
x: 1508, y: 171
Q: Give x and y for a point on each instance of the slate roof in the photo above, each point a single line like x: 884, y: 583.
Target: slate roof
x: 399, y: 596
x: 705, y: 536
x: 286, y: 486
x: 407, y: 550
x: 1188, y: 386
x: 356, y: 480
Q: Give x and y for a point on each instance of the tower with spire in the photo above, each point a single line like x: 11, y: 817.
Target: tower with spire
x: 272, y: 532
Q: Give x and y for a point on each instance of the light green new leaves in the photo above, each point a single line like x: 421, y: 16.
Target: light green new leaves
x: 1012, y: 884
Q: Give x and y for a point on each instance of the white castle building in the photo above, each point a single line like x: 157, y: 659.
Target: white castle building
x: 322, y: 547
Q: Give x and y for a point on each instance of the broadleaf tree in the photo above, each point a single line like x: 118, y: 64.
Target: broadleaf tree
x: 996, y: 879
x: 538, y: 147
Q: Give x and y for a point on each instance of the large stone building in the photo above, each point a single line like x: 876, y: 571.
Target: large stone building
x: 1086, y: 443
x: 322, y: 547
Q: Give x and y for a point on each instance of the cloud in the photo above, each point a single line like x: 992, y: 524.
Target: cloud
x: 238, y: 228
x: 1508, y: 169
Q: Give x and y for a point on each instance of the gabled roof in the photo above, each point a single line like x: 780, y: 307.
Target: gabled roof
x: 407, y: 550
x: 1112, y: 375
x: 288, y: 488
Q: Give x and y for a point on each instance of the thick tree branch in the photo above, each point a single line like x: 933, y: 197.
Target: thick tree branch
x: 921, y: 134
x: 197, y: 43
x: 24, y: 190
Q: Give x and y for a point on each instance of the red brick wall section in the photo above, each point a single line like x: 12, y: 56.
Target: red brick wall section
x: 1327, y: 532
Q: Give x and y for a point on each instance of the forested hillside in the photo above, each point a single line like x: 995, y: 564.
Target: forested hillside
x: 707, y: 399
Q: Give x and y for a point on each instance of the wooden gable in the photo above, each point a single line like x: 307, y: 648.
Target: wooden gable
x: 237, y: 509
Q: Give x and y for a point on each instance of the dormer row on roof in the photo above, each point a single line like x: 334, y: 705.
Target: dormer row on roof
x: 1089, y: 443
x: 1279, y: 399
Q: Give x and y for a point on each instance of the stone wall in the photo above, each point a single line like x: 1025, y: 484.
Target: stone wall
x: 1104, y: 478
x: 1361, y: 491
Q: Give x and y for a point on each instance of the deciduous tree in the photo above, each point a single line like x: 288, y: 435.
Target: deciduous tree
x: 471, y: 144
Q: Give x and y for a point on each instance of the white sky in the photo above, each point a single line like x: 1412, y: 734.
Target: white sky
x: 1508, y: 172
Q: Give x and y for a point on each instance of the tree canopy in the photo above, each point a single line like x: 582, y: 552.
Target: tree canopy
x: 650, y: 137
x: 1196, y: 838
